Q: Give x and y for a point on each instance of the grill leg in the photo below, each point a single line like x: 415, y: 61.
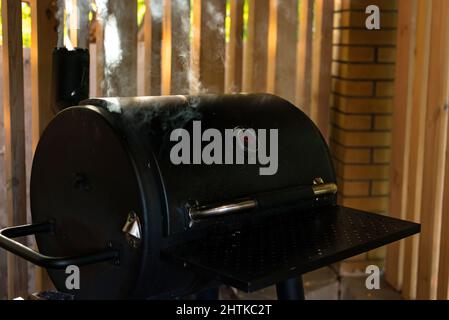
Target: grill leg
x: 291, y: 289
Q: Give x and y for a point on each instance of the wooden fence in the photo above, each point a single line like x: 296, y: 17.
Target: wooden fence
x: 185, y: 50
x: 419, y: 266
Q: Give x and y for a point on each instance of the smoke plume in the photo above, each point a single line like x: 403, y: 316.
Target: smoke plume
x: 73, y: 18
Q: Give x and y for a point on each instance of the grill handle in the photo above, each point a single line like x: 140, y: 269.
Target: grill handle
x: 7, y: 243
x: 266, y: 200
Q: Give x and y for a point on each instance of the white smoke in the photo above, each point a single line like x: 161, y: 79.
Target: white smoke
x: 216, y: 23
x: 84, y: 9
x: 217, y: 19
x: 73, y: 19
x: 112, y: 44
x: 196, y: 86
x: 61, y: 22
x: 69, y: 11
x: 157, y: 10
x: 113, y: 52
x: 102, y: 9
x: 181, y: 8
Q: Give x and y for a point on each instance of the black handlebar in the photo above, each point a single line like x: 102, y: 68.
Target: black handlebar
x: 6, y: 242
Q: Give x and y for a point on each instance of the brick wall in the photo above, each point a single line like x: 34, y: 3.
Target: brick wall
x: 362, y: 100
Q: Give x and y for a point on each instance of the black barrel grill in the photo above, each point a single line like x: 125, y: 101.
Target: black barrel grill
x: 106, y: 197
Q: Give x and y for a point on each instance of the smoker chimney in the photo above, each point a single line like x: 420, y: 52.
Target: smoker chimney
x: 70, y: 77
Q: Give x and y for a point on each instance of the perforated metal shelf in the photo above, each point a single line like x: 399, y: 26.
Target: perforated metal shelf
x: 288, y: 245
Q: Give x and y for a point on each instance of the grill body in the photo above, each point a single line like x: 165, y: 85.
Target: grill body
x: 100, y: 162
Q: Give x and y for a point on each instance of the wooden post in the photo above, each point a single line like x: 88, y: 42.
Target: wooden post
x: 322, y: 63
x: 282, y: 45
x: 43, y: 39
x: 117, y: 49
x: 3, y: 275
x: 167, y: 48
x: 272, y: 46
x: 78, y: 28
x: 234, y: 55
x: 400, y: 133
x: 99, y: 56
x: 420, y: 52
x: 72, y: 24
x: 443, y: 269
x: 304, y: 59
x: 3, y: 213
x: 208, y: 52
x: 13, y: 104
x: 153, y: 38
x: 434, y: 151
x: 176, y: 47
x: 256, y: 48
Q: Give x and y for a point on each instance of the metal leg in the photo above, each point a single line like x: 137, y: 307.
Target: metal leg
x: 208, y: 294
x: 291, y: 289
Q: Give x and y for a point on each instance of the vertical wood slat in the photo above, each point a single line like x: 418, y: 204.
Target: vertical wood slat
x: 321, y: 65
x: 153, y: 47
x: 208, y: 51
x: 176, y: 47
x: 72, y: 27
x: 416, y: 141
x: 180, y: 56
x: 14, y: 113
x: 119, y: 77
x: 282, y: 44
x: 399, y: 161
x: 99, y: 56
x: 43, y: 39
x: 256, y: 48
x: 234, y: 54
x: 167, y: 48
x: 3, y: 213
x: 3, y: 275
x: 73, y: 32
x: 433, y: 179
x: 443, y: 269
x: 272, y: 46
x: 304, y: 59
x: 78, y: 28
x: 93, y: 70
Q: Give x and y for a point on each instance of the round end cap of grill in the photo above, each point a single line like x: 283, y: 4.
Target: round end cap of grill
x: 84, y: 180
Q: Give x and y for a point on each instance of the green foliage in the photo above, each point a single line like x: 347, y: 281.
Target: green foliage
x: 26, y: 20
x: 140, y: 11
x: 245, y: 19
x: 26, y: 25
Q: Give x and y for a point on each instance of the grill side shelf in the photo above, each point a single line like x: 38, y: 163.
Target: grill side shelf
x: 288, y: 245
